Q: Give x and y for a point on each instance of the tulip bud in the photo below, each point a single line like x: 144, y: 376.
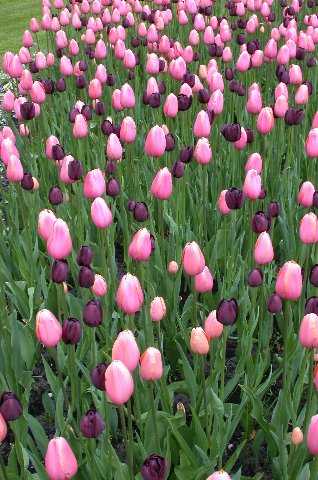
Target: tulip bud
x: 48, y: 329
x: 312, y: 436
x: 220, y: 475
x: 260, y: 222
x: 308, y: 332
x: 263, y: 250
x: 60, y: 461
x: 141, y: 213
x: 59, y: 242
x: 126, y: 350
x: 234, y: 198
x: 98, y: 376
x: 129, y: 296
x: 71, y: 331
x: 86, y: 277
x: 212, y: 327
x: 151, y: 367
x: 227, y: 312
x: 192, y: 259
x: 140, y: 246
x: 255, y: 278
x: 157, y: 309
x: 297, y: 436
x: 46, y: 221
x: 154, y: 467
x: 274, y: 304
x: 3, y: 428
x: 119, y: 384
x: 203, y: 282
x: 199, y: 342
x: 289, y: 281
x: 60, y: 271
x: 313, y: 277
x: 84, y: 256
x: 93, y: 313
x: 173, y: 267
x: 10, y: 407
x: 92, y: 424
x: 99, y: 288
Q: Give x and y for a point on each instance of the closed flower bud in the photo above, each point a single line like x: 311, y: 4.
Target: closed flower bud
x: 273, y: 209
x: 46, y: 221
x: 71, y: 331
x: 199, y: 342
x: 297, y: 436
x: 141, y: 213
x: 220, y: 475
x: 192, y: 259
x: 289, y: 281
x: 308, y: 228
x: 59, y: 243
x: 86, y: 277
x: 60, y: 271
x: 27, y: 182
x: 308, y: 332
x: 231, y: 132
x: 313, y: 277
x: 212, y: 327
x: 48, y: 329
x: 263, y: 250
x: 311, y: 305
x: 119, y: 384
x: 252, y: 185
x: 98, y: 376
x: 60, y: 461
x: 203, y: 282
x: 3, y: 428
x: 126, y: 350
x: 75, y: 170
x: 85, y: 256
x: 101, y: 214
x: 151, y: 367
x: 157, y: 309
x: 260, y: 222
x: 154, y: 467
x: 305, y: 194
x: 99, y: 288
x: 129, y: 296
x: 312, y: 436
x: 234, y: 198
x: 227, y: 312
x: 10, y: 407
x: 255, y: 278
x: 92, y: 424
x: 274, y: 304
x: 173, y: 267
x: 161, y: 186
x: 93, y: 313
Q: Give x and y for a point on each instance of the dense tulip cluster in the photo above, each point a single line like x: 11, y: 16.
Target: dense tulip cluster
x: 158, y: 256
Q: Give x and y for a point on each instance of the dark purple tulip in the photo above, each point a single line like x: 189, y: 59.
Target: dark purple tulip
x: 315, y: 199
x: 309, y: 86
x: 58, y: 152
x: 154, y: 100
x: 33, y: 68
x: 170, y: 142
x: 311, y: 305
x: 55, y: 196
x: 92, y: 424
x: 131, y: 205
x: 86, y: 277
x: 311, y: 62
x: 234, y: 198
x: 189, y: 78
x: 59, y: 52
x: 154, y: 468
x: 141, y: 213
x: 313, y: 277
x: 100, y: 108
x: 98, y: 376
x: 294, y: 116
x: 85, y: 256
x: 184, y: 102
x: 161, y: 87
x: 75, y: 170
x: 229, y: 73
x: 10, y: 406
x: 178, y: 169
x: 227, y: 311
x: 60, y: 271
x: 274, y: 304
x: 113, y: 187
x: 300, y: 53
x: 231, y: 132
x: 72, y: 115
x: 240, y: 39
x: 48, y: 86
x: 161, y: 65
x: 186, y: 154
x: 203, y: 95
x: 260, y: 222
x: 111, y: 80
x: 273, y: 209
x: 27, y: 182
x: 107, y: 127
x: 111, y: 167
x: 241, y: 23
x: 71, y: 331
x: 135, y: 42
x: 27, y: 110
x: 60, y: 85
x: 249, y: 135
x: 255, y: 278
x: 262, y: 194
x: 145, y: 98
x: 93, y: 313
x: 251, y: 47
x: 87, y: 112
x: 81, y: 81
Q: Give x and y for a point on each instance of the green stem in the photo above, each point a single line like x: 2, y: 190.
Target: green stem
x: 127, y: 444
x: 154, y: 416
x: 205, y: 397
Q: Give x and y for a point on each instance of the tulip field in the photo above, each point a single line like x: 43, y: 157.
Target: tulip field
x: 159, y: 241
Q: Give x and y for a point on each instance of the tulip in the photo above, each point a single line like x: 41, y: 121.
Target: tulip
x: 48, y: 329
x: 93, y: 313
x: 14, y: 169
x: 308, y: 229
x: 114, y: 149
x: 99, y: 287
x: 192, y: 259
x: 227, y: 312
x: 128, y: 130
x: 98, y: 376
x: 119, y: 384
x: 308, y: 332
x: 305, y: 194
x: 71, y: 331
x: 151, y: 367
x: 60, y: 461
x: 161, y: 186
x: 254, y: 162
x: 59, y: 242
x: 312, y: 436
x: 222, y: 205
x: 252, y: 185
x: 129, y: 296
x: 220, y: 475
x: 173, y: 267
x: 297, y: 436
x: 263, y: 250
x: 154, y: 467
x: 126, y: 350
x: 202, y: 126
x: 265, y: 121
x: 92, y: 424
x: 84, y: 256
x: 10, y: 407
x: 3, y: 428
x: 199, y: 342
x: 86, y: 277
x: 289, y: 281
x: 157, y: 309
x: 212, y: 327
x: 94, y: 184
x: 203, y: 282
x: 203, y: 151
x: 46, y: 221
x: 60, y: 271
x: 80, y: 128
x: 155, y: 144
x: 311, y: 145
x: 170, y: 107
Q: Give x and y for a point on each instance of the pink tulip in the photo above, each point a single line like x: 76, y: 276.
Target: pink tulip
x: 173, y: 267
x: 302, y: 95
x: 60, y: 461
x: 126, y: 350
x: 129, y: 296
x: 212, y: 327
x: 170, y: 107
x: 155, y: 144
x: 48, y: 329
x: 46, y: 221
x: 243, y: 62
x: 140, y: 247
x: 151, y: 367
x: 308, y: 229
x: 198, y: 341
x: 8, y: 101
x: 305, y: 194
x: 127, y: 96
x: 119, y: 384
x: 114, y: 150
x: 101, y: 214
x: 222, y: 205
x: 295, y: 74
x: 100, y: 50
x: 202, y: 126
x: 312, y: 436
x: 128, y: 130
x: 3, y: 429
x: 203, y: 152
x: 220, y: 475
x: 312, y: 143
x: 241, y: 143
x: 308, y: 332
x: 216, y: 102
x: 203, y: 282
x: 59, y: 243
x: 192, y: 259
x: 254, y: 102
x: 95, y: 89
x: 254, y: 162
x: 289, y: 281
x: 281, y: 106
x: 94, y: 184
x: 14, y: 169
x: 252, y: 185
x: 157, y: 309
x: 161, y: 186
x: 265, y: 121
x: 80, y: 127
x: 263, y: 250
x: 99, y: 287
